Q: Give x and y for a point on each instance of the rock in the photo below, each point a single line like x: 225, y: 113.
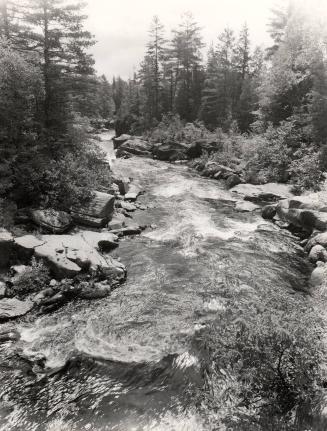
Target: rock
x: 317, y: 253
x: 96, y: 213
x: 18, y: 269
x: 128, y: 206
x: 12, y: 307
x: 133, y: 193
x: 320, y: 239
x: 318, y: 276
x: 6, y: 247
x: 129, y: 230
x: 3, y: 289
x: 117, y: 222
x: 9, y: 335
x: 312, y: 201
x: 53, y: 282
x: 120, y: 140
x: 244, y: 206
x: 137, y: 147
x: 25, y: 245
x: 172, y: 151
x: 52, y: 220
x: 268, y: 212
x: 214, y: 169
x: 270, y: 192
x: 233, y: 180
x: 122, y: 183
x: 67, y: 255
x: 97, y: 291
x: 302, y: 218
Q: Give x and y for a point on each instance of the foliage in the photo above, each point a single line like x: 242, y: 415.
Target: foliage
x: 262, y: 360
x: 305, y: 170
x: 33, y: 279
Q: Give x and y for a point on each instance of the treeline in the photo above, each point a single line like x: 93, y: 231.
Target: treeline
x: 48, y: 89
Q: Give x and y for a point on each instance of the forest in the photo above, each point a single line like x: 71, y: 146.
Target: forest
x: 234, y: 111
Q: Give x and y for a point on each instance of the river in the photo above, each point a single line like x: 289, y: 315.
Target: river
x: 129, y: 360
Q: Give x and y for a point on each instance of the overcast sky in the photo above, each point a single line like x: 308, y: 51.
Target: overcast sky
x: 121, y: 26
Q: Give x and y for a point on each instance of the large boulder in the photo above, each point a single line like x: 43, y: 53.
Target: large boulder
x: 136, y: 146
x: 320, y: 238
x: 68, y: 255
x: 302, y: 218
x: 120, y: 140
x: 97, y: 212
x: 312, y: 201
x: 318, y: 253
x: 268, y: 212
x: 172, y: 151
x: 318, y: 276
x: 233, y: 180
x: 52, y: 220
x: 6, y: 247
x: 263, y: 193
x: 12, y: 307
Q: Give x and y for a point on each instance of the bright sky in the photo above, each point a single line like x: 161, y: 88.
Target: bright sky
x: 121, y: 26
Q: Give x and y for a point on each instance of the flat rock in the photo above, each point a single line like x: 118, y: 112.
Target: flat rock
x: 245, y: 206
x: 270, y: 192
x: 12, y: 307
x: 25, y: 245
x: 52, y: 220
x: 303, y: 218
x: 67, y: 255
x: 128, y: 206
x: 136, y: 146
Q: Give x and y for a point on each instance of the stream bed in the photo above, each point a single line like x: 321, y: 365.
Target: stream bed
x: 127, y: 362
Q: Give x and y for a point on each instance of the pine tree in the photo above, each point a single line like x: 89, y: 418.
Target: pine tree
x: 209, y: 102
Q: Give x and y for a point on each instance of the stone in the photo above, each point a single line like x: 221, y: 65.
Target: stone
x: 123, y: 184
x: 117, y: 222
x: 53, y: 282
x: 25, y: 246
x: 137, y: 147
x: 97, y: 291
x: 320, y: 238
x: 268, y: 212
x: 302, y: 218
x: 52, y: 220
x: 216, y: 170
x: 264, y: 193
x: 128, y: 206
x: 233, y: 180
x: 12, y: 307
x: 18, y: 269
x: 318, y: 276
x: 118, y: 141
x: 318, y: 253
x: 97, y: 212
x: 171, y: 151
x: 6, y: 247
x: 244, y: 206
x: 128, y: 230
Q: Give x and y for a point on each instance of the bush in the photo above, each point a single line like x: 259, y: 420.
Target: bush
x: 35, y: 278
x: 305, y: 170
x: 263, y: 364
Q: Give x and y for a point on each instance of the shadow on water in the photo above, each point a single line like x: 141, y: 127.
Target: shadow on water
x: 126, y: 362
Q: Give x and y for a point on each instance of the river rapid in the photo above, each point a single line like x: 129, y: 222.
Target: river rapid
x: 127, y: 362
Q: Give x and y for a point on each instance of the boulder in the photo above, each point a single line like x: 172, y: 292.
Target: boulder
x: 25, y: 245
x: 308, y: 220
x: 233, y: 180
x: 97, y: 212
x: 318, y: 276
x: 123, y: 184
x: 320, y: 238
x: 312, y: 201
x: 128, y: 206
x: 133, y: 193
x: 244, y: 206
x: 136, y: 146
x: 263, y: 193
x: 52, y: 220
x: 318, y: 253
x: 128, y: 230
x: 6, y: 247
x: 12, y: 307
x: 120, y: 140
x: 172, y: 151
x: 117, y: 222
x: 268, y: 212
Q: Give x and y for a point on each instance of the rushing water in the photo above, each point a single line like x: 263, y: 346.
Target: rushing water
x: 128, y: 361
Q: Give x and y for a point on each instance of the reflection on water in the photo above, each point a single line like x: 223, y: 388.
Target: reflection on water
x: 128, y: 359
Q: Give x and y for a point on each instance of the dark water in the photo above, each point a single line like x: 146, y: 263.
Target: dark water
x: 129, y: 360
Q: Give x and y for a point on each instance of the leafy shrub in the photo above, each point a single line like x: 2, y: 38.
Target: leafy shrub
x: 305, y: 170
x: 263, y: 362
x: 33, y: 279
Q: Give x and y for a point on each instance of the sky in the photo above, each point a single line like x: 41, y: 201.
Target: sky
x: 121, y: 26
